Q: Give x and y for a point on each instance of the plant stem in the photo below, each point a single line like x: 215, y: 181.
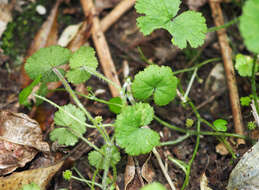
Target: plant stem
x: 79, y: 104
x: 86, y: 181
x: 254, y: 84
x: 192, y: 132
x: 178, y: 140
x: 197, y: 66
x: 189, y: 85
x: 215, y: 28
x: 161, y: 164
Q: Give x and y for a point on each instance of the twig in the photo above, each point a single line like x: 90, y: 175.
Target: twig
x: 101, y: 46
x: 229, y: 69
x: 160, y: 162
x: 116, y: 13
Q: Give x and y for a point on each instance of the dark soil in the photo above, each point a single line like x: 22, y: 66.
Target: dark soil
x: 123, y: 39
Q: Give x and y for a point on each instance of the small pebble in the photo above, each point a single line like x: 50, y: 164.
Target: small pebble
x: 41, y: 10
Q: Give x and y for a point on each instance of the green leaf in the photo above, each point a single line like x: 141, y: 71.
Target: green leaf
x: 96, y: 158
x: 128, y: 131
x: 43, y: 61
x: 82, y: 58
x: 157, y: 13
x: 244, y: 65
x: 25, y: 93
x: 63, y: 118
x: 157, y: 81
x: 67, y: 175
x: 221, y: 125
x: 245, y: 101
x: 115, y: 105
x: 153, y: 186
x: 249, y: 25
x: 31, y: 186
x: 63, y: 136
x: 189, y: 27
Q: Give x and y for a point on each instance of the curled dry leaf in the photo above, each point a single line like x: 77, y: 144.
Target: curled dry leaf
x: 40, y: 176
x: 147, y: 171
x: 20, y: 140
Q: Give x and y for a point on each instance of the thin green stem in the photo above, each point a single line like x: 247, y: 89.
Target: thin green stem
x: 197, y: 66
x: 107, y: 161
x: 86, y: 181
x: 80, y: 105
x: 190, y: 85
x: 93, y: 179
x: 254, y: 84
x: 188, y: 172
x: 178, y: 140
x: 215, y: 28
x: 60, y: 108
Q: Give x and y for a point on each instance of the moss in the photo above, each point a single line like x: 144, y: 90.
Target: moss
x: 19, y: 33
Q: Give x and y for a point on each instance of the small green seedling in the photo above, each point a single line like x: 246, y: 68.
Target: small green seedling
x: 245, y: 101
x: 244, y: 65
x: 221, y: 125
x: 251, y: 125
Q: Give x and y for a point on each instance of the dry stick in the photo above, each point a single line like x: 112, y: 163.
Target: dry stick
x: 101, y: 46
x: 229, y: 69
x: 116, y: 13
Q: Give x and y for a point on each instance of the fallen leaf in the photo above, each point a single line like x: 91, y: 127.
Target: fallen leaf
x: 40, y: 176
x: 20, y: 129
x: 221, y: 149
x: 68, y: 34
x: 147, y: 171
x: 20, y: 140
x: 204, y: 182
x: 129, y: 172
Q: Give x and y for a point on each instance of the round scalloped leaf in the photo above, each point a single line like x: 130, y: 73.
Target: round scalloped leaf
x: 84, y: 56
x: 221, y: 125
x: 249, y: 25
x: 157, y: 81
x: 128, y: 131
x: 190, y: 27
x: 42, y: 62
x: 157, y: 13
x: 62, y: 119
x: 244, y: 65
x: 96, y: 158
x: 63, y: 136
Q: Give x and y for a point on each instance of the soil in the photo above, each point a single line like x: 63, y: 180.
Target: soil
x: 124, y: 39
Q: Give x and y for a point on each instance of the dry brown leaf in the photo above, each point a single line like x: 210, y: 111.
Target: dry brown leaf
x: 20, y: 140
x: 147, y: 171
x: 204, y: 182
x: 129, y: 172
x: 40, y: 176
x: 20, y: 129
x: 13, y: 156
x: 221, y: 149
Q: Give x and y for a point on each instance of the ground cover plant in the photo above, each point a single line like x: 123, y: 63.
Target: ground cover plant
x: 152, y: 88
